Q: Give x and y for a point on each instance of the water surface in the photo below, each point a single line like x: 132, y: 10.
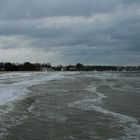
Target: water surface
x: 70, y: 106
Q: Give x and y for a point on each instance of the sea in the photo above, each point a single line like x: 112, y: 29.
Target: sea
x: 70, y: 105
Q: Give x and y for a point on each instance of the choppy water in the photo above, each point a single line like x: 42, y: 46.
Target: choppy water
x: 70, y: 106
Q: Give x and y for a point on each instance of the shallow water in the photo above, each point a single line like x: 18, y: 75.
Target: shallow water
x: 70, y: 106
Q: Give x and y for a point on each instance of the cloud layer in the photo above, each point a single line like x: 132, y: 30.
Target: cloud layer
x: 62, y: 32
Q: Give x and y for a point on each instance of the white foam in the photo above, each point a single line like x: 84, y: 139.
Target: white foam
x: 14, y: 86
x: 9, y: 94
x: 124, y: 87
x: 103, y: 75
x: 20, y: 82
x: 130, y: 125
x: 88, y: 101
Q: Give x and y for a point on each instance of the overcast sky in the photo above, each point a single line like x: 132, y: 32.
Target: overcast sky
x: 70, y: 31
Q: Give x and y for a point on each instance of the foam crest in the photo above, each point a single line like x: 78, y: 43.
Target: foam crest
x: 20, y: 82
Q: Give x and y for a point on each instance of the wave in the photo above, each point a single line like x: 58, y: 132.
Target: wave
x: 17, y: 88
x: 131, y: 128
x: 14, y: 88
x: 126, y: 83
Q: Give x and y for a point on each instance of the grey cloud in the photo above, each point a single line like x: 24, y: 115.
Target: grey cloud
x: 82, y: 31
x: 17, y: 9
x: 101, y: 30
x: 89, y: 31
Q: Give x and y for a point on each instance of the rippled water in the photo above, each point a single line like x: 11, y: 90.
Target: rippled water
x: 70, y: 106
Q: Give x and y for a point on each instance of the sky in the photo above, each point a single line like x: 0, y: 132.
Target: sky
x: 105, y: 32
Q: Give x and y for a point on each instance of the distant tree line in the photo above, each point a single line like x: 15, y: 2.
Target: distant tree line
x: 81, y: 67
x: 27, y: 66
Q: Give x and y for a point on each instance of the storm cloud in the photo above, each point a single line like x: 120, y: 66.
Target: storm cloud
x: 63, y: 32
